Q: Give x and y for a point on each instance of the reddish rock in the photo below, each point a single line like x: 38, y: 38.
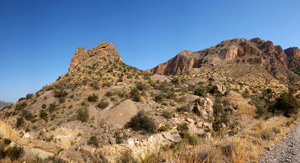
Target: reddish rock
x: 79, y: 56
x: 254, y: 51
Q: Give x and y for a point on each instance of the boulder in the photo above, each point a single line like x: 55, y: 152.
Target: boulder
x: 218, y: 88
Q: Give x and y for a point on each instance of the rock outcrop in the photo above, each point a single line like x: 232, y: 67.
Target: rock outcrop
x: 218, y: 88
x: 104, y: 52
x: 254, y: 51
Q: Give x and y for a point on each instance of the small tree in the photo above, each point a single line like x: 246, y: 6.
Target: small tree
x: 135, y: 95
x: 142, y: 122
x: 287, y: 104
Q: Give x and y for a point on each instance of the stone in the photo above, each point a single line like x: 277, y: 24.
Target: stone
x: 112, y: 141
x: 218, y: 88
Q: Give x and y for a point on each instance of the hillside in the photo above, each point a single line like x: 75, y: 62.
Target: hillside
x: 103, y: 110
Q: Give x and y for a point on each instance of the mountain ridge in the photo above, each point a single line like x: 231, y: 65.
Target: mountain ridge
x: 239, y: 50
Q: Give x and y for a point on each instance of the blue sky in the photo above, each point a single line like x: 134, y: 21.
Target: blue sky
x: 38, y: 38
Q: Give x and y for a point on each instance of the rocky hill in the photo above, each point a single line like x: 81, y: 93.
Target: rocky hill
x: 256, y: 52
x: 103, y: 110
x: 4, y: 104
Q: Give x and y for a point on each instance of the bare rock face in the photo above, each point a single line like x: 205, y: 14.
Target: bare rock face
x: 293, y: 57
x: 105, y: 51
x: 255, y: 51
x: 218, y: 88
x: 79, y: 56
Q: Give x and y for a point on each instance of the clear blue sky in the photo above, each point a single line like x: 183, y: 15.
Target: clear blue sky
x: 38, y: 38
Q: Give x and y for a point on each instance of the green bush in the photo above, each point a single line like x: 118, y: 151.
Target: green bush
x: 2, y: 151
x: 83, y: 115
x: 60, y: 93
x: 135, y: 95
x: 109, y: 93
x: 52, y: 108
x: 29, y: 96
x: 44, y: 106
x: 15, y: 152
x: 126, y: 158
x: 20, y: 106
x: 142, y: 122
x: 19, y: 122
x: 200, y: 91
x: 141, y: 86
x: 102, y: 104
x: 93, y: 141
x: 159, y: 98
x: 167, y: 115
x: 93, y: 98
x: 185, y: 108
x: 44, y: 115
x: 287, y: 104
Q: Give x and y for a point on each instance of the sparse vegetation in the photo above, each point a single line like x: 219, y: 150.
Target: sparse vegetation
x: 135, y: 95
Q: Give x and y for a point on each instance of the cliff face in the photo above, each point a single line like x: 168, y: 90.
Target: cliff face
x: 254, y: 51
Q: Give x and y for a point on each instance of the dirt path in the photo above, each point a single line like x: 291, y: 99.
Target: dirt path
x: 287, y: 150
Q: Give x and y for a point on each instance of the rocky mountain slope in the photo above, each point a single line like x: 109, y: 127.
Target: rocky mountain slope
x: 255, y: 52
x: 4, y: 104
x: 103, y: 110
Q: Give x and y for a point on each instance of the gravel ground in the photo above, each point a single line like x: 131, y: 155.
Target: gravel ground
x: 287, y: 150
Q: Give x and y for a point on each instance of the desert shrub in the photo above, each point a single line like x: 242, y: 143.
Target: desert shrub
x: 2, y: 151
x: 167, y: 115
x: 44, y: 106
x: 93, y: 98
x: 126, y: 158
x: 43, y: 115
x: 27, y: 115
x: 107, y: 84
x: 109, y: 93
x: 102, y: 104
x: 135, y: 95
x: 48, y: 139
x: 83, y: 115
x: 93, y: 141
x: 185, y: 108
x: 29, y: 96
x: 159, y: 98
x: 60, y: 93
x: 20, y: 106
x: 164, y: 128
x: 200, y: 91
x: 246, y: 94
x: 6, y: 141
x: 141, y: 86
x: 287, y: 104
x: 142, y: 122
x: 15, y: 152
x: 62, y: 100
x: 260, y: 107
x: 19, y: 122
x: 183, y: 127
x: 171, y: 94
x: 52, y: 108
